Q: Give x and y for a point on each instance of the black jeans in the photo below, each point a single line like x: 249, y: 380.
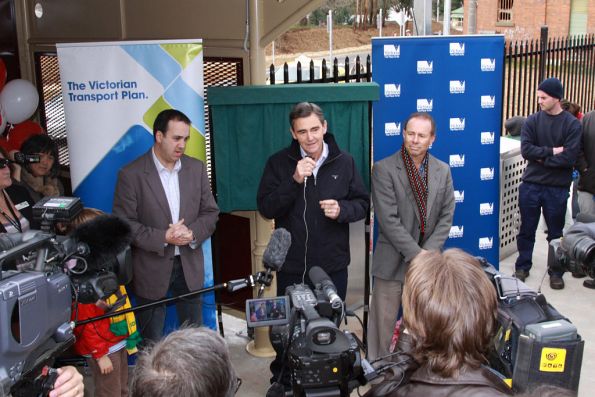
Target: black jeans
x: 151, y: 321
x: 533, y: 199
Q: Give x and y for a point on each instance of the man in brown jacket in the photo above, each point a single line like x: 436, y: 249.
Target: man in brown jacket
x: 166, y: 197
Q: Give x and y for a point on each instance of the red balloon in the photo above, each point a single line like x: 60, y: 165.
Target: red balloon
x: 19, y: 133
x: 3, y: 74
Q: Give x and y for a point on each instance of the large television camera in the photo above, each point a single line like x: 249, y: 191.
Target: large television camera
x: 42, y: 274
x: 534, y: 343
x: 575, y: 251
x: 320, y: 359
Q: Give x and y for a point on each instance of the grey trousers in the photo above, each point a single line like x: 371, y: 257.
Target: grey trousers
x: 384, y: 309
x: 586, y: 202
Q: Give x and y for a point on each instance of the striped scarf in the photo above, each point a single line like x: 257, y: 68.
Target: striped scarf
x: 419, y: 186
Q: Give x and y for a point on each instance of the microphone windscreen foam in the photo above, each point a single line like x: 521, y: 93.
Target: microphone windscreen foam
x: 276, y: 251
x: 106, y: 236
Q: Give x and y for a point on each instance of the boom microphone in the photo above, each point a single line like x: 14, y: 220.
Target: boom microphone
x: 320, y: 279
x: 275, y: 252
x: 106, y: 235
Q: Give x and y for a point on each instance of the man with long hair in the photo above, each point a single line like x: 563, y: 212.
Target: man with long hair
x: 449, y: 317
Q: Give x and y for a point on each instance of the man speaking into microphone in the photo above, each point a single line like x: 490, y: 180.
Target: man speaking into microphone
x: 313, y: 189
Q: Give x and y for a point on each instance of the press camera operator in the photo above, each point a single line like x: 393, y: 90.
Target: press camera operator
x: 449, y: 316
x: 68, y: 384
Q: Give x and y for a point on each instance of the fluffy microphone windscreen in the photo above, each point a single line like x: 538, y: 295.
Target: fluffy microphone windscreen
x: 106, y: 236
x: 276, y: 251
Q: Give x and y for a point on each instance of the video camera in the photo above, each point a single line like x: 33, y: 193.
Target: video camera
x: 42, y: 274
x: 321, y: 359
x: 575, y: 251
x: 534, y: 343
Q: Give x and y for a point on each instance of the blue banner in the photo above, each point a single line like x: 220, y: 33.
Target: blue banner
x: 458, y: 80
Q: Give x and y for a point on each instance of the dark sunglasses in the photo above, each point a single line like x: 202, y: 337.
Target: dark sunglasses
x: 4, y: 163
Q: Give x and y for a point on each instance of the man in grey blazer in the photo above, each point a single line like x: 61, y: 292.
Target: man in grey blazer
x: 166, y: 197
x: 414, y: 205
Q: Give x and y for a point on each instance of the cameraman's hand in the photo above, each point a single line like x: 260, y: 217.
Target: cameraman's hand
x: 105, y: 365
x: 69, y: 383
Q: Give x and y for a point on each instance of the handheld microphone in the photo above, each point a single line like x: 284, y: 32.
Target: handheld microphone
x: 306, y: 178
x: 322, y: 280
x: 275, y: 253
x: 23, y: 159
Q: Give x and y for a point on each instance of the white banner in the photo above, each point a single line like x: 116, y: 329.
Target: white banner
x: 112, y: 93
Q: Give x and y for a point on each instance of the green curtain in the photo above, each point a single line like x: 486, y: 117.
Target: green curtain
x: 251, y: 123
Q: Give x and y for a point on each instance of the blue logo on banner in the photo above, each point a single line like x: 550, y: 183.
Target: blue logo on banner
x: 425, y: 105
x: 392, y: 51
x: 425, y: 67
x: 486, y: 174
x: 488, y: 101
x: 457, y: 87
x: 392, y: 90
x: 456, y: 232
x: 456, y: 160
x: 457, y: 49
x: 457, y: 123
x: 459, y: 196
x: 392, y: 129
x: 486, y: 208
x: 488, y: 64
x: 487, y: 138
x: 486, y: 243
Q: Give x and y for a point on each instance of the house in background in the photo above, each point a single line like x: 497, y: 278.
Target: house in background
x: 523, y: 19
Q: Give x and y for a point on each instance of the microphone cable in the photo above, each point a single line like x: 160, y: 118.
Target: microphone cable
x: 307, y: 234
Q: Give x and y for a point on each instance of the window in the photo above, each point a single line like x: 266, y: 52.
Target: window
x: 505, y: 11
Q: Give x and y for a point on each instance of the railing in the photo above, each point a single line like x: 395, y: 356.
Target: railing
x: 320, y: 74
x: 526, y: 63
x: 570, y: 59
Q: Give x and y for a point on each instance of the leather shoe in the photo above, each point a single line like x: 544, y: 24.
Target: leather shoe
x: 556, y: 282
x: 589, y: 284
x: 578, y: 274
x: 521, y: 274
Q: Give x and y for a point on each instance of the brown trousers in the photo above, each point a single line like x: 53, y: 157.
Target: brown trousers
x: 115, y: 383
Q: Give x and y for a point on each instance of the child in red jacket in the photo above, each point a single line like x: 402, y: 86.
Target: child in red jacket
x: 105, y: 343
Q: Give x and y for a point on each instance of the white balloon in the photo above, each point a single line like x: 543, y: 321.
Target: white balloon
x: 19, y: 98
x: 2, y: 120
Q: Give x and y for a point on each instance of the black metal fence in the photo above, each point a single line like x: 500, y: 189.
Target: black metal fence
x: 526, y: 63
x: 571, y: 59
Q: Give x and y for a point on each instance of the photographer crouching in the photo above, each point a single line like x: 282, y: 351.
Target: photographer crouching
x: 575, y: 251
x: 449, y: 317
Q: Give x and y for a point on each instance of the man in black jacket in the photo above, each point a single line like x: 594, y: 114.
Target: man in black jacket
x: 550, y: 142
x: 313, y: 189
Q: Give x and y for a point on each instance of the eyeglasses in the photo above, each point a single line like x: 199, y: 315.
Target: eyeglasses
x: 4, y: 163
x: 238, y: 384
